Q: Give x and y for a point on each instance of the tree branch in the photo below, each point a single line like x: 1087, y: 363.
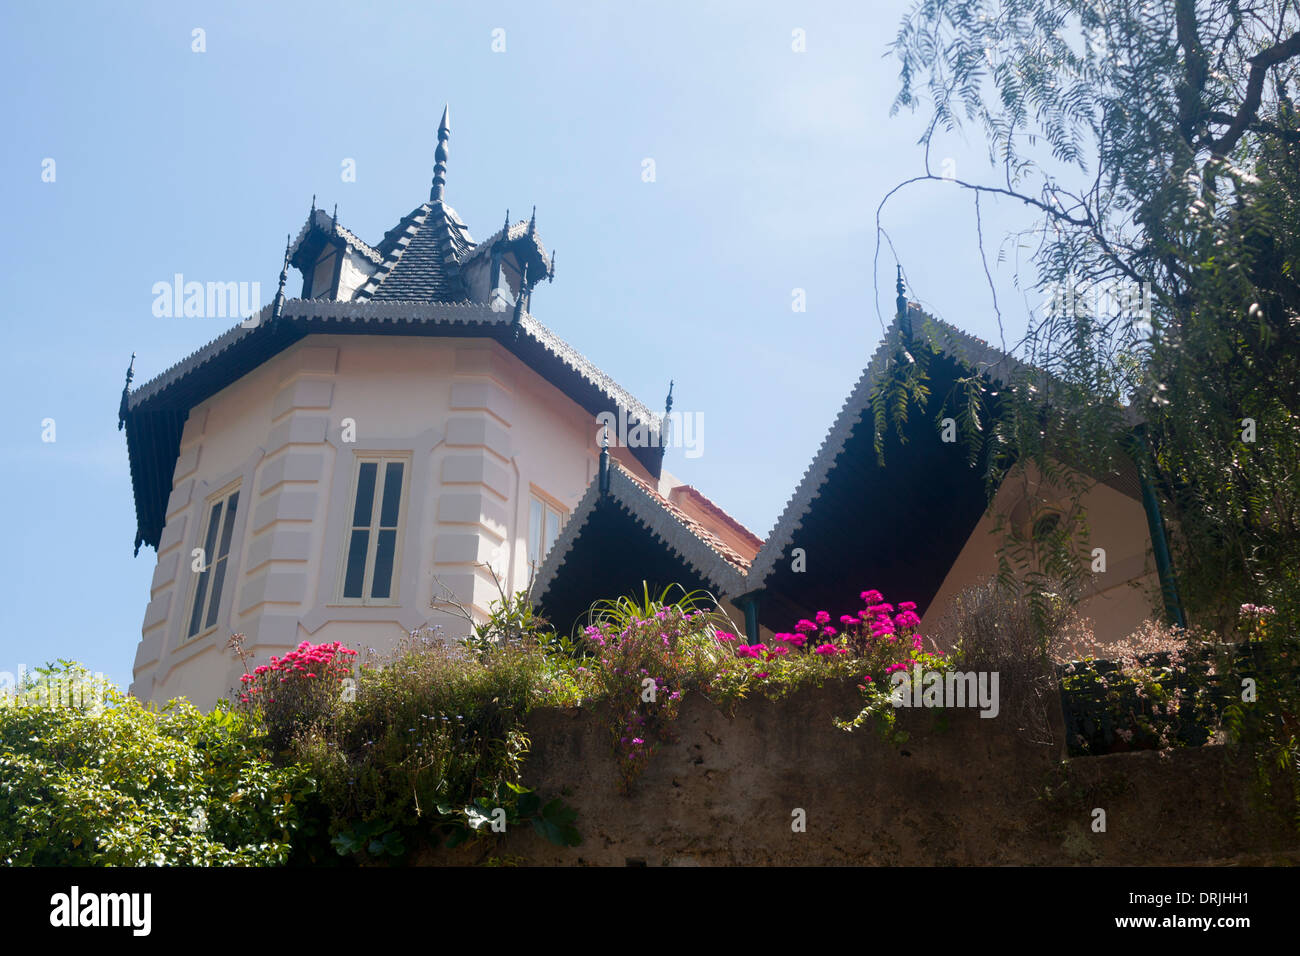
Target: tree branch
x: 1260, y: 64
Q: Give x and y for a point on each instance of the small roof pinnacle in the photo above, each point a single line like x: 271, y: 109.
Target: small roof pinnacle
x: 440, y: 157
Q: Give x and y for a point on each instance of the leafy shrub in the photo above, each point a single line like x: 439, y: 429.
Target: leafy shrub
x: 428, y: 741
x: 1020, y: 636
x: 123, y: 785
x: 1150, y: 692
x: 1265, y: 722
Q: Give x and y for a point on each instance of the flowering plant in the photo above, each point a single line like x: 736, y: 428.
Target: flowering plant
x: 643, y: 656
x: 871, y: 644
x: 297, y: 688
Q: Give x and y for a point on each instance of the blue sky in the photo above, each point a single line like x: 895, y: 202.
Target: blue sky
x: 769, y: 166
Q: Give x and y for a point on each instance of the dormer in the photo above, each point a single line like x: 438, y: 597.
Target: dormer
x: 505, y: 261
x: 334, y: 263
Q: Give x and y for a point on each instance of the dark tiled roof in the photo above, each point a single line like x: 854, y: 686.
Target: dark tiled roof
x: 422, y: 258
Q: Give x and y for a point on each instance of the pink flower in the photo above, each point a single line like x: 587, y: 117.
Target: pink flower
x: 823, y: 617
x: 907, y: 605
x: 825, y: 649
x: 871, y: 597
x: 805, y: 626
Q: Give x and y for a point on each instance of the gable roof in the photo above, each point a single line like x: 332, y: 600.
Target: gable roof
x: 156, y: 411
x: 320, y: 225
x: 903, y: 525
x: 613, y: 542
x: 972, y: 352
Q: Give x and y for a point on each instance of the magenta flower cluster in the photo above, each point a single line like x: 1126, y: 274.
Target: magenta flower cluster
x: 307, y: 662
x: 879, y: 632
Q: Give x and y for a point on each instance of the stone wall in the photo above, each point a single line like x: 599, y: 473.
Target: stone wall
x: 974, y: 793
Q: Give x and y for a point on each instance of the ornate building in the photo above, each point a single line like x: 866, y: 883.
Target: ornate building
x: 342, y: 463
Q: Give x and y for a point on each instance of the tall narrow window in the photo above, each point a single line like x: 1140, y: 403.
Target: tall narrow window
x: 217, y: 533
x: 370, y: 558
x: 544, y: 520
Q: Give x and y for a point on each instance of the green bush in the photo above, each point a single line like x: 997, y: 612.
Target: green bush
x: 107, y: 781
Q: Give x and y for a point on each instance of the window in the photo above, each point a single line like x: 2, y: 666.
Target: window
x: 216, y: 551
x: 371, y: 549
x: 544, y: 520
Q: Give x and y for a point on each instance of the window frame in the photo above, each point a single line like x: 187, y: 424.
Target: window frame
x: 562, y: 514
x: 382, y: 460
x: 222, y: 498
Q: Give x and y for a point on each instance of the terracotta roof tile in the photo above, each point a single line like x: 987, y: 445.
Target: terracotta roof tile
x: 729, y: 554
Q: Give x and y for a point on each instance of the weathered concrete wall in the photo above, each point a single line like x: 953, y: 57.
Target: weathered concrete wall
x: 722, y: 793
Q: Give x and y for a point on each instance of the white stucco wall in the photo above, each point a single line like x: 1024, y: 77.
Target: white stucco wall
x: 481, y: 430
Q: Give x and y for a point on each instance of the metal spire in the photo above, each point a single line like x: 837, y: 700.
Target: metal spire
x: 666, y: 430
x: 550, y: 276
x: 440, y: 157
x: 334, y: 220
x: 278, y: 307
x: 901, y: 304
x: 126, y: 390
x: 517, y: 322
x: 532, y: 223
x: 604, y: 461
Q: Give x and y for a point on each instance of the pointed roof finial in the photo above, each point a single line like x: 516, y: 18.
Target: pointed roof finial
x: 517, y: 321
x: 604, y: 461
x: 440, y: 156
x: 550, y: 276
x: 313, y: 204
x: 667, y: 429
x: 278, y: 306
x: 334, y: 219
x: 126, y: 390
x: 904, y: 321
x: 532, y: 223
